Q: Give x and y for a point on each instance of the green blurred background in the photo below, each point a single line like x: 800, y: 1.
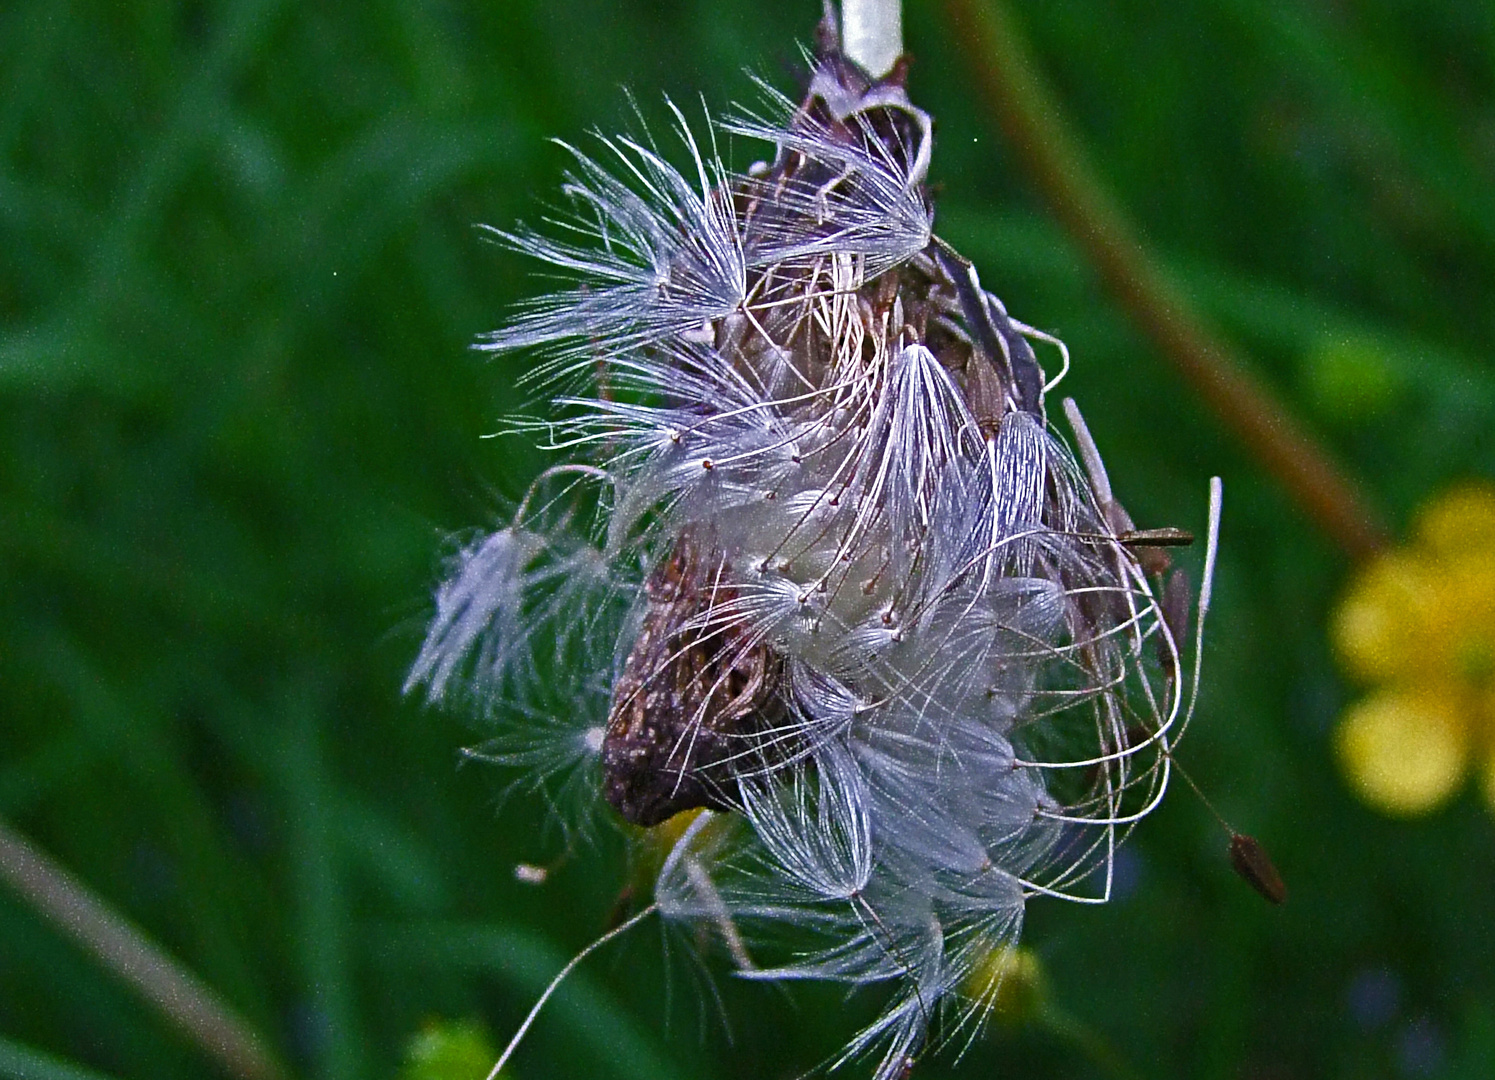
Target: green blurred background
x: 238, y: 419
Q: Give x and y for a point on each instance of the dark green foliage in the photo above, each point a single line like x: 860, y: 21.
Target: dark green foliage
x: 238, y: 276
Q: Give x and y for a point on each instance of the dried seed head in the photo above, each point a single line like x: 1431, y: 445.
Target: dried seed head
x: 848, y: 591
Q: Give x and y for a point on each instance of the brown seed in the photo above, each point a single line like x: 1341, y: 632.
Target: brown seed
x: 1166, y: 537
x: 1250, y: 860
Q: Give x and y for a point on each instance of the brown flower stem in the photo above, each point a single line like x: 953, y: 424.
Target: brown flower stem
x: 124, y: 949
x: 1032, y: 119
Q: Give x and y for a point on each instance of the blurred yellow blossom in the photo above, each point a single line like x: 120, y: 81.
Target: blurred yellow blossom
x: 449, y: 1050
x: 1418, y: 625
x: 1010, y: 980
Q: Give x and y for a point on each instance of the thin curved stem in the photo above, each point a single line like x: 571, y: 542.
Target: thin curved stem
x: 560, y: 977
x: 124, y: 949
x: 1032, y: 118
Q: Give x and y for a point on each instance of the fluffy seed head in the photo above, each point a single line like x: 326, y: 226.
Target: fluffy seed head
x: 841, y: 585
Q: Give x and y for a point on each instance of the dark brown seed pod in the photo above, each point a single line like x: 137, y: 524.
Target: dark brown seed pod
x: 1166, y: 537
x: 695, y: 692
x: 1250, y: 860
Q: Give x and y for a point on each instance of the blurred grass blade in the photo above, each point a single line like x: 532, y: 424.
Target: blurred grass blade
x: 394, y: 857
x: 121, y: 947
x: 18, y: 1062
x: 321, y: 900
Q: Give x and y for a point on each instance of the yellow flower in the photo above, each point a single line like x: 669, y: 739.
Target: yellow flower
x: 1418, y: 624
x: 1404, y: 750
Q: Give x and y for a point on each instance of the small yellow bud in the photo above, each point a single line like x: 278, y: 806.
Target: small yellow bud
x: 1352, y: 378
x: 449, y: 1050
x: 668, y: 832
x: 655, y: 842
x: 1011, y: 979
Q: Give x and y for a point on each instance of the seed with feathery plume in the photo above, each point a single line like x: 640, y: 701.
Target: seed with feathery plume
x: 828, y: 579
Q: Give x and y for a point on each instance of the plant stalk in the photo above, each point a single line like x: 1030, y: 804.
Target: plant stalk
x: 872, y: 33
x: 1033, y: 120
